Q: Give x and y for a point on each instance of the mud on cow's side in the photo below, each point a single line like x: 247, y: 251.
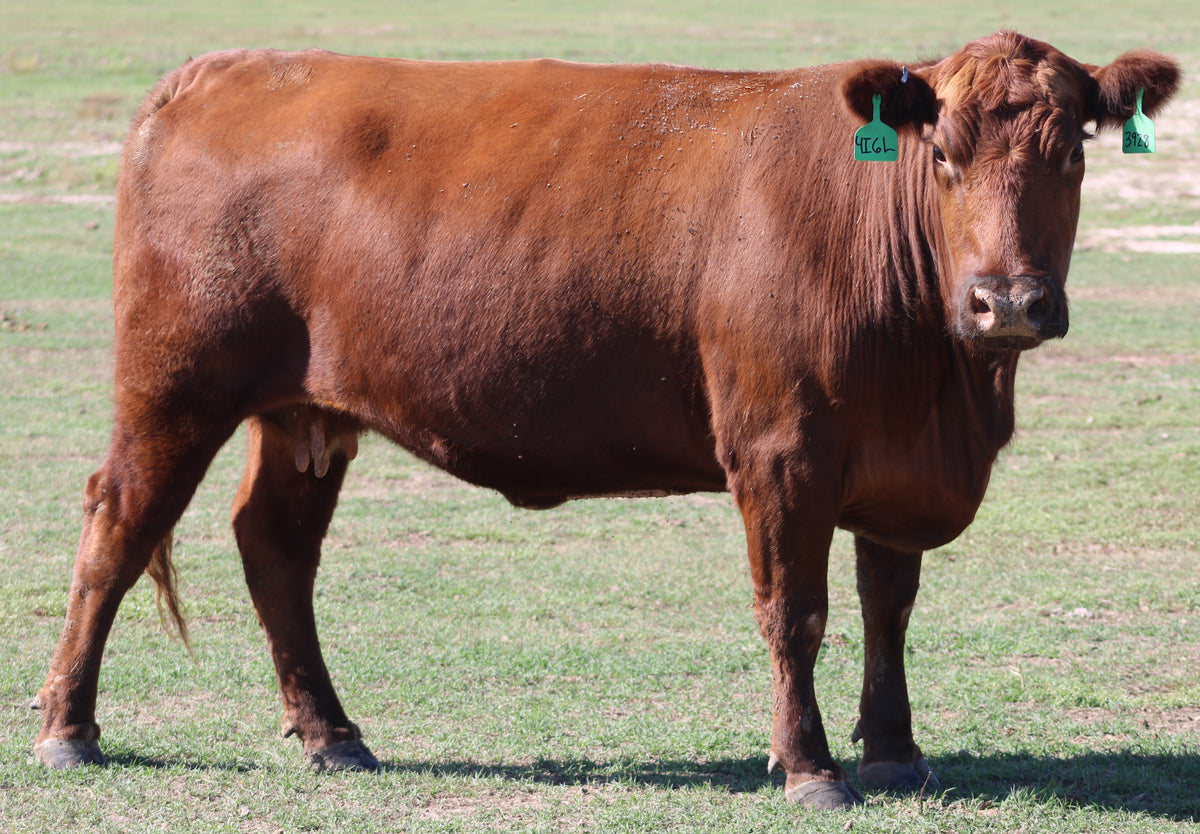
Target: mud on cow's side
x: 562, y: 281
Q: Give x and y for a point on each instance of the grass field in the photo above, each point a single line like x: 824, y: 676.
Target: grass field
x: 597, y: 667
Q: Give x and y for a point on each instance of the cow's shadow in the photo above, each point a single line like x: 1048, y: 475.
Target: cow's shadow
x: 1125, y: 781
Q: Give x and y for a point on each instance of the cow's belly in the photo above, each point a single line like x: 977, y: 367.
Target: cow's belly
x: 537, y: 422
x: 592, y: 459
x: 540, y: 461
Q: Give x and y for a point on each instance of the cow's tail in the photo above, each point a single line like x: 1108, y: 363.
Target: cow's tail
x: 166, y: 582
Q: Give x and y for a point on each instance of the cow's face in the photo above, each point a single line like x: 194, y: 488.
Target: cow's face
x: 1005, y: 145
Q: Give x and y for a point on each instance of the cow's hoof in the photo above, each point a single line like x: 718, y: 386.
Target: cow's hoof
x: 66, y: 753
x: 345, y: 755
x: 823, y: 796
x: 899, y: 777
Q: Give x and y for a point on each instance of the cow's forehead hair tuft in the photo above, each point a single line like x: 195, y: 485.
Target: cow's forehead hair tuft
x: 1007, y: 72
x: 1012, y: 85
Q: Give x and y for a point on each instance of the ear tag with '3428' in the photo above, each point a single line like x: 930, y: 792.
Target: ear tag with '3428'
x: 875, y: 141
x: 1138, y: 136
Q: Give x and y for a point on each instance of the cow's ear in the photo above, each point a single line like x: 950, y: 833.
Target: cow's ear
x: 1118, y: 84
x: 905, y: 97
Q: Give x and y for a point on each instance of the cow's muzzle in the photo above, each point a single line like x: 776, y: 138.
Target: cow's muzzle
x: 1012, y: 312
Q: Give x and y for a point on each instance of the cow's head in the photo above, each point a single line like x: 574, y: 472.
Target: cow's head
x: 1003, y: 122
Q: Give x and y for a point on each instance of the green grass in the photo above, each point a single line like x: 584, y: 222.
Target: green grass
x: 597, y: 667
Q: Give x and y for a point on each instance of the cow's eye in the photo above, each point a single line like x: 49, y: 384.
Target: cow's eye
x: 1077, y: 153
x: 939, y: 155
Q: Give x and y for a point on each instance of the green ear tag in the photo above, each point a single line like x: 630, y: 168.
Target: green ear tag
x: 875, y: 141
x: 1139, y: 131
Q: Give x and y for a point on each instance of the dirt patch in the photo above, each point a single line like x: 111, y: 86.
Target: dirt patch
x: 466, y: 807
x: 61, y: 173
x: 102, y: 106
x: 1140, y: 295
x: 58, y: 199
x: 1171, y: 721
x: 1161, y: 240
x: 16, y: 324
x: 69, y: 150
x: 1063, y: 357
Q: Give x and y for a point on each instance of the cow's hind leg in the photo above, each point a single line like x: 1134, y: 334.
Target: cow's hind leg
x: 887, y: 588
x: 130, y: 505
x: 297, y: 460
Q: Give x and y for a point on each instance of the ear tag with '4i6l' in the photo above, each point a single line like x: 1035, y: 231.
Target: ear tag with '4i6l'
x: 875, y: 141
x: 1138, y: 136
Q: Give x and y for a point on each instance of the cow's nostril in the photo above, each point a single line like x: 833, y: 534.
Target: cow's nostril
x: 1040, y: 304
x: 979, y: 301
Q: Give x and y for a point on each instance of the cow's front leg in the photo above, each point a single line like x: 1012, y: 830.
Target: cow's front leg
x: 789, y: 554
x: 280, y: 517
x: 887, y: 587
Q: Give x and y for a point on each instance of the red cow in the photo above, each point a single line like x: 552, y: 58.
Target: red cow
x: 562, y: 281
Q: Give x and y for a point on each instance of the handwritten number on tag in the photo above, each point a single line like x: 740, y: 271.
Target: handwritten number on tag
x: 875, y: 141
x: 1138, y: 136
